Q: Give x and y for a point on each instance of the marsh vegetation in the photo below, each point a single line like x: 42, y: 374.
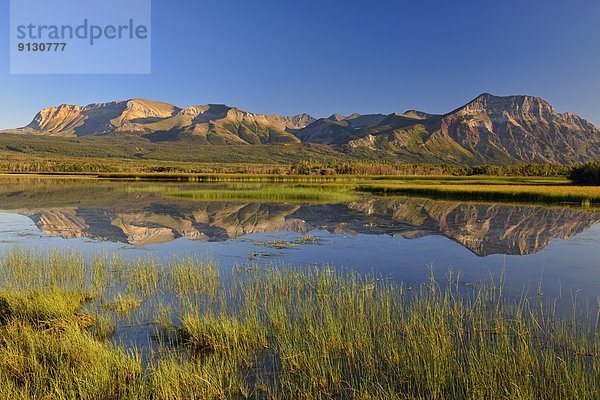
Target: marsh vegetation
x: 338, y: 189
x: 250, y: 332
x: 272, y: 193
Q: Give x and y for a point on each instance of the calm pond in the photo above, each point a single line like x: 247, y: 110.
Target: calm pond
x: 549, y: 250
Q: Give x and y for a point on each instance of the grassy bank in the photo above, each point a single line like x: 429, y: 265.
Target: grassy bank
x: 275, y: 333
x: 544, y: 191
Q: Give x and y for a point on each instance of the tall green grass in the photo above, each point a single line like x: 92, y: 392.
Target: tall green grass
x: 281, y: 333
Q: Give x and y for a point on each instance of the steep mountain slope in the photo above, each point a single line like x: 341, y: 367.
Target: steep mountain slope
x: 338, y: 129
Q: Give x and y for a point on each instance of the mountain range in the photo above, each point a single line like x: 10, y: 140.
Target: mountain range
x: 489, y: 129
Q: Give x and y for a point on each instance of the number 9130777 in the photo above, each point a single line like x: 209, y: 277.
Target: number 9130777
x: 40, y: 47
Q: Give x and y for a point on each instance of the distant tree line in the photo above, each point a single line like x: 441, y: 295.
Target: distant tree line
x: 378, y: 168
x: 583, y: 174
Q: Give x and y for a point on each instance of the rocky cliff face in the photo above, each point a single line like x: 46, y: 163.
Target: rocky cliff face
x: 523, y: 128
x: 98, y: 119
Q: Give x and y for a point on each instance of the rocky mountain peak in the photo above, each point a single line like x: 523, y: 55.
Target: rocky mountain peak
x: 298, y: 121
x: 511, y: 105
x: 336, y: 117
x: 416, y: 114
x: 53, y: 118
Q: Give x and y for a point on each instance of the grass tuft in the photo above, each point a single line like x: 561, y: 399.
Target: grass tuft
x: 124, y: 304
x: 41, y: 306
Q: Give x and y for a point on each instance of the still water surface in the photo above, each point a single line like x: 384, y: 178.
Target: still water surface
x: 398, y: 238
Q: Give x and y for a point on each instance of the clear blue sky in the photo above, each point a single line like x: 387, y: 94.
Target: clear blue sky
x: 343, y: 56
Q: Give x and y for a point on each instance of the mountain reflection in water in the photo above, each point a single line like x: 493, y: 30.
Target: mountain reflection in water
x: 110, y: 213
